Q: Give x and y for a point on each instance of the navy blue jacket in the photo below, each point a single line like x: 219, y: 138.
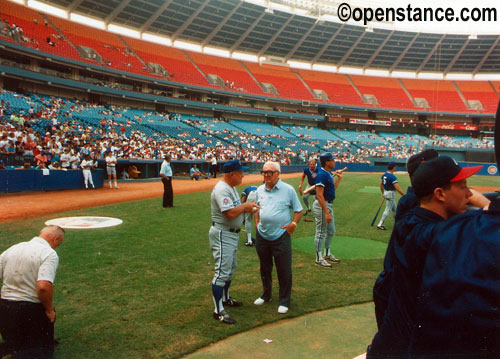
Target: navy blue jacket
x: 458, y: 311
x: 407, y: 202
x: 398, y: 285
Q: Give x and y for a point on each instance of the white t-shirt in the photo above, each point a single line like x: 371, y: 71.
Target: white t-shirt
x: 22, y: 265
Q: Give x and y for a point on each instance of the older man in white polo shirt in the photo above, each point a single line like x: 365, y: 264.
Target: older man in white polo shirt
x: 27, y: 315
x: 275, y: 226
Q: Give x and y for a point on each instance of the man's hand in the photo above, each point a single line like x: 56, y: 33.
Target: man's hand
x: 251, y: 207
x: 290, y: 227
x: 328, y: 217
x: 51, y: 314
x: 300, y: 189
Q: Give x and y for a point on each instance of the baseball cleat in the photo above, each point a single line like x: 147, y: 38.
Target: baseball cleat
x: 248, y: 244
x: 224, y: 317
x: 381, y: 228
x: 323, y: 263
x: 232, y: 303
x: 282, y: 309
x: 331, y: 258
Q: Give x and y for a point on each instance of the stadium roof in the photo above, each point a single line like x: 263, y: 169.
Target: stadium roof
x: 247, y: 27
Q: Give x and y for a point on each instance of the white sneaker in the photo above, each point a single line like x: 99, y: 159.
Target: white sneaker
x: 282, y: 309
x: 259, y: 301
x: 323, y: 263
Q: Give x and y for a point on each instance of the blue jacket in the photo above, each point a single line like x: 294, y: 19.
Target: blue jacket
x: 458, y: 311
x: 397, y: 287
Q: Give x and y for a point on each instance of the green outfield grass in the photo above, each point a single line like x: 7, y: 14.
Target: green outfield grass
x: 142, y: 289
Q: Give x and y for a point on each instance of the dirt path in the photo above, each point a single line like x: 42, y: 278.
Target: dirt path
x: 33, y: 204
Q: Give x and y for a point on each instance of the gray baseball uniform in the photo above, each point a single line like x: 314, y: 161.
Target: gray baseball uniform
x: 223, y: 236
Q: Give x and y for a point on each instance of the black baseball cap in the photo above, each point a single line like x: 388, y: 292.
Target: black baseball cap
x: 439, y: 172
x: 233, y: 166
x: 421, y: 157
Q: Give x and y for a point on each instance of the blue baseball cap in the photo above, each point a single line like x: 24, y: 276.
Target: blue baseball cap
x: 327, y: 156
x: 391, y: 164
x: 233, y: 166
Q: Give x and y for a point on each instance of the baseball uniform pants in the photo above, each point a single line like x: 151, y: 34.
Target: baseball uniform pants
x: 390, y: 205
x: 87, y: 178
x: 324, y: 230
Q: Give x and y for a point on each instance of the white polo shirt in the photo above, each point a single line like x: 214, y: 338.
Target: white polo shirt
x: 22, y: 265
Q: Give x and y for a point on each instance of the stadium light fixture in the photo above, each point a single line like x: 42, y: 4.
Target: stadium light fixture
x: 350, y: 70
x: 49, y: 9
x: 458, y: 76
x: 117, y: 29
x: 430, y: 75
x: 245, y: 57
x: 216, y: 52
x: 486, y: 77
x: 299, y: 65
x: 156, y: 39
x: 324, y: 68
x: 379, y: 73
x: 404, y: 74
x: 87, y: 21
x: 187, y: 46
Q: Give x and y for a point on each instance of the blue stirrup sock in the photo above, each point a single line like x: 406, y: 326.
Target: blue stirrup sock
x: 217, y: 293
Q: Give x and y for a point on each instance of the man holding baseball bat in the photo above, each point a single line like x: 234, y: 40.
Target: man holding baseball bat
x: 323, y: 211
x: 388, y: 186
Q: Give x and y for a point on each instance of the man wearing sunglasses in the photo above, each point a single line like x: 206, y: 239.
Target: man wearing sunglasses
x: 274, y: 229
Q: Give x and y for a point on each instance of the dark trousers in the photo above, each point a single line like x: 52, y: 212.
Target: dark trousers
x: 213, y: 170
x: 168, y: 192
x: 281, y: 251
x: 26, y: 330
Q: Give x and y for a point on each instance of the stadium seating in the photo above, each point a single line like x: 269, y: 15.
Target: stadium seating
x: 282, y: 78
x: 336, y: 86
x: 388, y: 91
x: 440, y: 94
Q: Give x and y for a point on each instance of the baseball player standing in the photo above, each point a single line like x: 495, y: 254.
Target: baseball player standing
x: 323, y: 211
x: 388, y: 186
x: 227, y: 218
x: 310, y: 172
x: 111, y: 168
x: 86, y: 166
x: 249, y: 195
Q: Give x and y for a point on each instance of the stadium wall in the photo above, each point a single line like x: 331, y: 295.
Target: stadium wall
x: 50, y: 180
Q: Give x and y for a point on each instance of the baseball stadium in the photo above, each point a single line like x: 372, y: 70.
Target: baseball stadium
x: 166, y: 140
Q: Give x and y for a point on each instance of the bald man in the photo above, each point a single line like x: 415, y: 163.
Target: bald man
x: 27, y: 314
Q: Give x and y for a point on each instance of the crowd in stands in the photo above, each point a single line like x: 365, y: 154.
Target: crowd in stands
x: 48, y: 132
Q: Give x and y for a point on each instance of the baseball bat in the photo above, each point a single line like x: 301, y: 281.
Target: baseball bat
x: 378, y: 210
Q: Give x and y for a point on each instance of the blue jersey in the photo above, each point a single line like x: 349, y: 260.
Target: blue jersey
x: 388, y: 180
x: 457, y: 311
x: 325, y: 179
x: 311, y: 176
